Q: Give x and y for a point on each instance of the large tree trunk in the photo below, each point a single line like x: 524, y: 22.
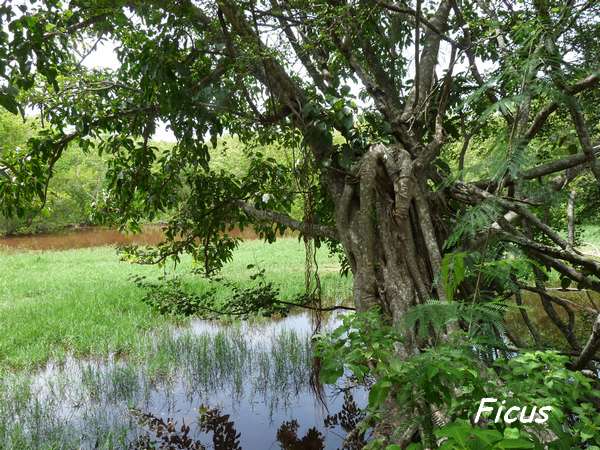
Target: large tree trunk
x: 386, y: 224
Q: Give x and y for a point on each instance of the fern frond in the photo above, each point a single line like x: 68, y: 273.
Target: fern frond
x: 474, y: 220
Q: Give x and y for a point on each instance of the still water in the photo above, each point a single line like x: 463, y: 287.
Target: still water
x: 245, y: 385
x: 84, y: 237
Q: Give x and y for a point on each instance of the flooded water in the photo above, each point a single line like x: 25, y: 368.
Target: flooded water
x: 85, y: 237
x: 245, y: 385
x: 585, y: 305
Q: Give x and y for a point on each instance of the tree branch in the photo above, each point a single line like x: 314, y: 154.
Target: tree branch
x: 591, y: 347
x: 558, y: 165
x: 78, y: 26
x: 565, y: 270
x: 565, y: 255
x: 516, y: 207
x: 544, y: 113
x: 265, y: 215
x: 419, y: 18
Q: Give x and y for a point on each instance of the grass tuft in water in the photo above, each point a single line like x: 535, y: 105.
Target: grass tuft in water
x: 86, y: 403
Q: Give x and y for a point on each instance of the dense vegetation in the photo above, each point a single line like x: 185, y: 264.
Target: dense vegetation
x: 78, y: 180
x: 439, y: 148
x: 74, y: 188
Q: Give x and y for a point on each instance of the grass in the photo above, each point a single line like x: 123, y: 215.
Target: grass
x: 590, y: 238
x: 81, y: 302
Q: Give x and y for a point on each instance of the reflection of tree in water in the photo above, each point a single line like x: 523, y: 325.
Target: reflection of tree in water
x: 225, y: 436
x: 348, y: 418
x: 287, y: 436
x: 168, y: 436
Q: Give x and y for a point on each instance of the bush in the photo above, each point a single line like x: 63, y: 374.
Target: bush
x: 452, y: 379
x: 169, y: 296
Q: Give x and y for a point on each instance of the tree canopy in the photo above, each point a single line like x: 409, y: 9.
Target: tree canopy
x: 428, y: 135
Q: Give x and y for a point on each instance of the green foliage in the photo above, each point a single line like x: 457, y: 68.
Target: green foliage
x: 474, y: 220
x: 451, y: 378
x: 498, y: 265
x: 587, y: 201
x: 452, y: 273
x: 436, y: 316
x: 360, y: 339
x: 461, y: 435
x: 76, y: 183
x: 212, y: 67
x: 14, y: 132
x: 169, y: 296
x: 543, y: 378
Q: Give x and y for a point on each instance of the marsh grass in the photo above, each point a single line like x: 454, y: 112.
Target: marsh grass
x: 82, y: 302
x: 86, y: 403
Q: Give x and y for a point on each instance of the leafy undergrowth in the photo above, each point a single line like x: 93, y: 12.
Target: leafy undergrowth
x: 453, y: 376
x: 256, y: 297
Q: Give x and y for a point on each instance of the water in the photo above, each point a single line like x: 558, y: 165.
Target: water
x: 251, y: 379
x: 585, y: 305
x: 84, y: 237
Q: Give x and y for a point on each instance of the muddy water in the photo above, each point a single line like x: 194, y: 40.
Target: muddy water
x: 584, y: 304
x: 85, y: 237
x: 245, y: 385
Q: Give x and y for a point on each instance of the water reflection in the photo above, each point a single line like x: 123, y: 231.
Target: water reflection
x: 584, y: 304
x: 168, y: 435
x: 243, y: 385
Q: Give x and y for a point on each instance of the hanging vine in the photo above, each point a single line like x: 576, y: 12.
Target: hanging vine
x: 306, y: 179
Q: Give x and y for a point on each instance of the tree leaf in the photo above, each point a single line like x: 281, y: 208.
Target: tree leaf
x: 379, y: 392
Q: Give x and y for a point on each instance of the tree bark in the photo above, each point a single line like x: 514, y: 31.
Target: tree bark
x: 571, y: 218
x: 386, y: 225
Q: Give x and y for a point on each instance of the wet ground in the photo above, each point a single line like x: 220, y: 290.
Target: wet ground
x: 247, y: 385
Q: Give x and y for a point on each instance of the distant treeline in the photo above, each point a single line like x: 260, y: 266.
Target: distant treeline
x: 77, y: 181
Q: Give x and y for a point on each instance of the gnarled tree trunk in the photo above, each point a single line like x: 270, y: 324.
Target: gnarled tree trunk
x: 386, y: 224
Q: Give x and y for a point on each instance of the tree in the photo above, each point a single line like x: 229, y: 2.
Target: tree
x: 77, y: 180
x: 416, y: 92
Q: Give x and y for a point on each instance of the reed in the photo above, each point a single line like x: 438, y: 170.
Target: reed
x: 86, y: 402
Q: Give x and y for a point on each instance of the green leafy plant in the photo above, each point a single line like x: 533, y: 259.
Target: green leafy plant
x: 171, y: 297
x: 452, y: 379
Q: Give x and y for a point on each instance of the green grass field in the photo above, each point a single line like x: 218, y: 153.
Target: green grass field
x: 81, y: 302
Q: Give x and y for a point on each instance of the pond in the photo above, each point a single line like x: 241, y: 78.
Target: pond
x: 247, y: 385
